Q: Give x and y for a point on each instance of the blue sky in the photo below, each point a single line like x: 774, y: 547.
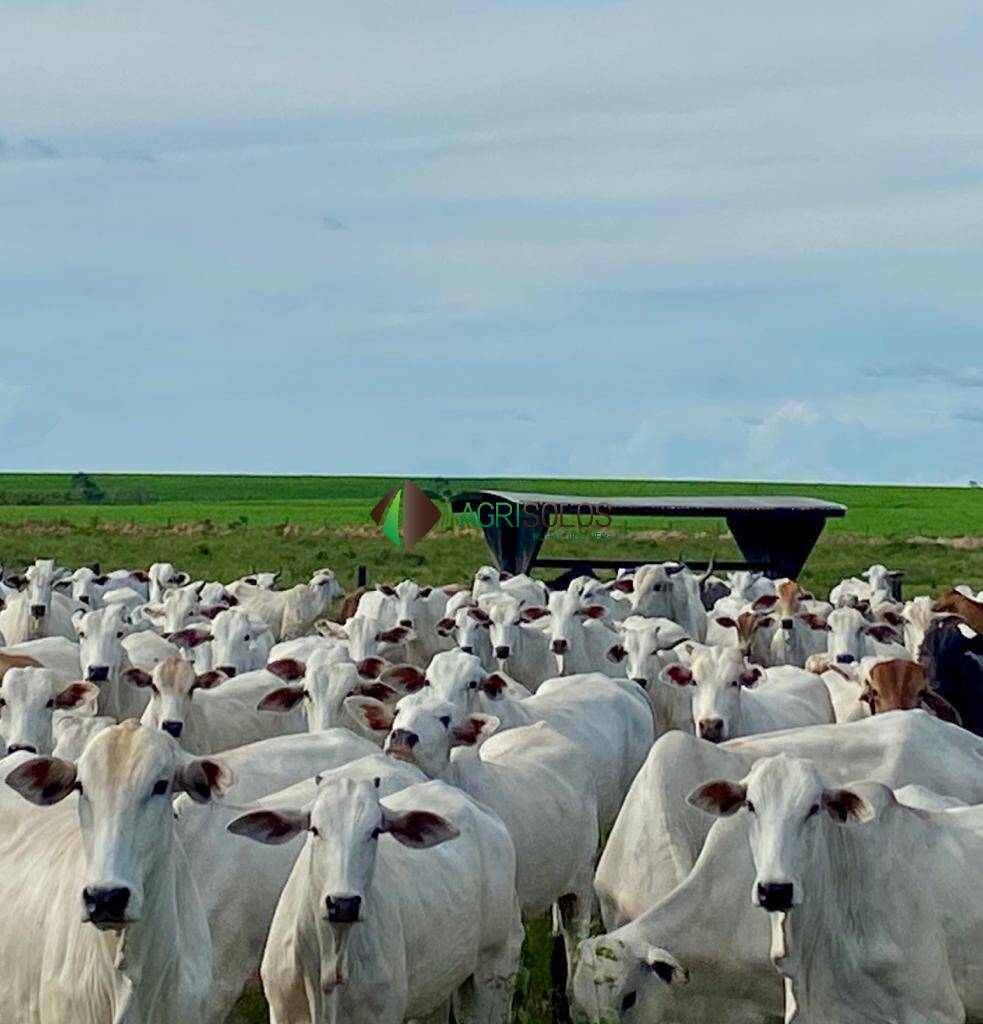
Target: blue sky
x: 609, y: 239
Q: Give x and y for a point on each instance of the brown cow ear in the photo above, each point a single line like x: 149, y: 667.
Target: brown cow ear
x: 533, y: 613
x: 404, y: 677
x: 765, y: 603
x: 203, y: 779
x: 286, y: 698
x: 751, y: 675
x: 626, y: 585
x: 418, y: 829
x: 616, y: 653
x: 476, y: 729
x: 190, y: 637
x: 592, y: 611
x: 882, y: 634
x: 493, y: 685
x: 209, y: 680
x: 371, y: 668
x: 370, y: 713
x: 76, y: 695
x: 726, y: 622
x: 379, y: 691
x: 44, y: 780
x: 138, y: 677
x: 846, y: 807
x: 445, y: 627
x: 270, y: 827
x: 287, y: 669
x: 720, y: 797
x: 396, y: 635
x: 679, y: 675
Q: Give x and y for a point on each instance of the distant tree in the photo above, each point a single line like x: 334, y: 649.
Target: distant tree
x: 86, y: 490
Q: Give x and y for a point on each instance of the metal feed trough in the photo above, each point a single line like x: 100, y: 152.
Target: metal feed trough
x: 775, y: 534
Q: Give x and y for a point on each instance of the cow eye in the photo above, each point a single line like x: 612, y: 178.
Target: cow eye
x: 749, y: 805
x: 813, y: 810
x: 314, y: 831
x: 3, y: 703
x: 50, y: 704
x: 160, y: 788
x: 119, y: 635
x: 473, y: 685
x: 629, y: 1001
x: 81, y: 635
x: 445, y: 721
x: 246, y: 638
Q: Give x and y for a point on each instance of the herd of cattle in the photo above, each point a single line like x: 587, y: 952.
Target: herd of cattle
x: 214, y: 786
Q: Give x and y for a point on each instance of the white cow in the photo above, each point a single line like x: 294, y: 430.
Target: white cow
x: 88, y: 587
x: 668, y: 591
x: 200, y: 715
x: 232, y: 642
x: 420, y: 609
x: 875, y: 586
x: 851, y: 637
x: 30, y: 700
x: 108, y: 646
x: 292, y: 613
x: 55, y: 652
x: 162, y: 577
x: 140, y: 948
x: 580, y: 636
x: 263, y: 580
x: 519, y: 641
x: 37, y: 611
x: 657, y: 837
x: 380, y: 933
x: 732, y: 697
x: 471, y: 633
x: 179, y: 608
x: 610, y: 720
x: 535, y: 780
x: 366, y: 637
x: 821, y: 853
x: 489, y: 581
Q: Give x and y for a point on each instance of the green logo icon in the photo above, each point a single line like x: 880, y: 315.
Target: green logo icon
x: 405, y: 504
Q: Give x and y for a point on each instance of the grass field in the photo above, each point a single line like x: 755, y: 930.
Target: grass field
x: 220, y: 527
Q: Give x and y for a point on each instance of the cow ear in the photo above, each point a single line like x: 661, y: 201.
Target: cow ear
x: 286, y: 698
x: 846, y: 807
x: 425, y: 592
x: 407, y: 678
x: 396, y: 635
x: 16, y: 582
x: 678, y: 675
x: 882, y: 634
x: 378, y: 690
x: 375, y: 716
x: 766, y: 623
x: 476, y: 729
x: 592, y: 611
x: 190, y: 637
x: 445, y: 627
x: 76, y: 695
x: 939, y: 706
x: 387, y: 590
x: 616, y: 653
x: 209, y: 680
x: 751, y: 674
x: 814, y: 621
x: 371, y: 668
x: 138, y: 677
x: 480, y: 615
x: 331, y: 630
x: 213, y: 612
x: 533, y: 613
x: 140, y: 576
x: 665, y: 966
x: 44, y: 780
x: 287, y: 669
x: 417, y: 829
x: 726, y: 622
x: 203, y: 779
x: 624, y: 584
x: 182, y: 579
x: 765, y: 603
x: 493, y: 685
x: 270, y: 827
x: 719, y: 797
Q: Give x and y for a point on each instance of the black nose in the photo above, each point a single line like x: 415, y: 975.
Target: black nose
x: 643, y: 683
x: 468, y: 649
x: 775, y: 895
x: 788, y: 623
x: 406, y: 622
x: 711, y: 729
x: 173, y: 728
x: 14, y: 747
x: 97, y: 673
x: 560, y: 646
x: 845, y: 659
x: 502, y: 652
x: 229, y: 670
x: 343, y: 909
x: 403, y: 738
x: 38, y: 610
x: 105, y: 906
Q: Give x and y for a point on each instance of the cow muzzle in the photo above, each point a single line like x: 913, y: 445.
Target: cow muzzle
x: 643, y: 683
x: 775, y: 896
x: 343, y: 909
x: 400, y: 744
x: 711, y: 729
x: 97, y: 673
x: 560, y: 646
x: 467, y: 649
x: 408, y: 623
x: 105, y: 907
x: 172, y: 728
x: 845, y: 659
x: 38, y: 611
x: 788, y: 624
x: 502, y: 652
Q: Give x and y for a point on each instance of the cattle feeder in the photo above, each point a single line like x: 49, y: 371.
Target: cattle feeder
x: 775, y: 534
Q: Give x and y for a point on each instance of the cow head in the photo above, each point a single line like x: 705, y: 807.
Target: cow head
x: 29, y: 698
x: 124, y: 780
x: 172, y: 685
x: 100, y: 634
x: 643, y: 646
x: 850, y: 635
x: 41, y: 578
x: 161, y: 577
x: 788, y: 805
